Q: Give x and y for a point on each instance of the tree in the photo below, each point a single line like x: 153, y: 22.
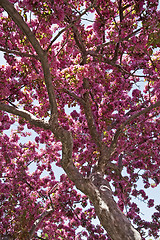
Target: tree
x: 109, y: 141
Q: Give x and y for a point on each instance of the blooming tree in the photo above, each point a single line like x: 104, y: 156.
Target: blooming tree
x: 90, y: 57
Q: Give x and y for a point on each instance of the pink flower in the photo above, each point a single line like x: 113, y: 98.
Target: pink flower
x: 136, y: 93
x: 151, y: 203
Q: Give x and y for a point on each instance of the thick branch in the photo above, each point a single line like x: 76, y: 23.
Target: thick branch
x: 67, y: 147
x: 91, y: 124
x: 49, y: 85
x: 112, y: 219
x: 66, y: 162
x: 61, y: 134
x: 89, y: 115
x: 26, y: 115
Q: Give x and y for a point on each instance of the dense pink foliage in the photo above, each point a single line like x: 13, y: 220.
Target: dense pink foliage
x: 114, y: 71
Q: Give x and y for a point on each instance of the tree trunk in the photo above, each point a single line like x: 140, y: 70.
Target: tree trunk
x: 112, y: 219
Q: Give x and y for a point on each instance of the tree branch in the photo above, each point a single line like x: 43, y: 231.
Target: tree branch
x: 63, y: 135
x: 17, y: 18
x: 120, y: 11
x: 122, y: 126
x: 38, y: 221
x: 26, y: 115
x: 73, y: 95
x: 89, y: 115
x: 95, y: 52
x: 86, y: 101
x: 102, y: 22
x: 91, y: 123
x: 58, y: 34
x: 21, y: 54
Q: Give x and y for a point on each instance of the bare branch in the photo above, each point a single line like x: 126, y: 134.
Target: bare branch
x: 120, y: 11
x: 26, y: 115
x: 38, y: 221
